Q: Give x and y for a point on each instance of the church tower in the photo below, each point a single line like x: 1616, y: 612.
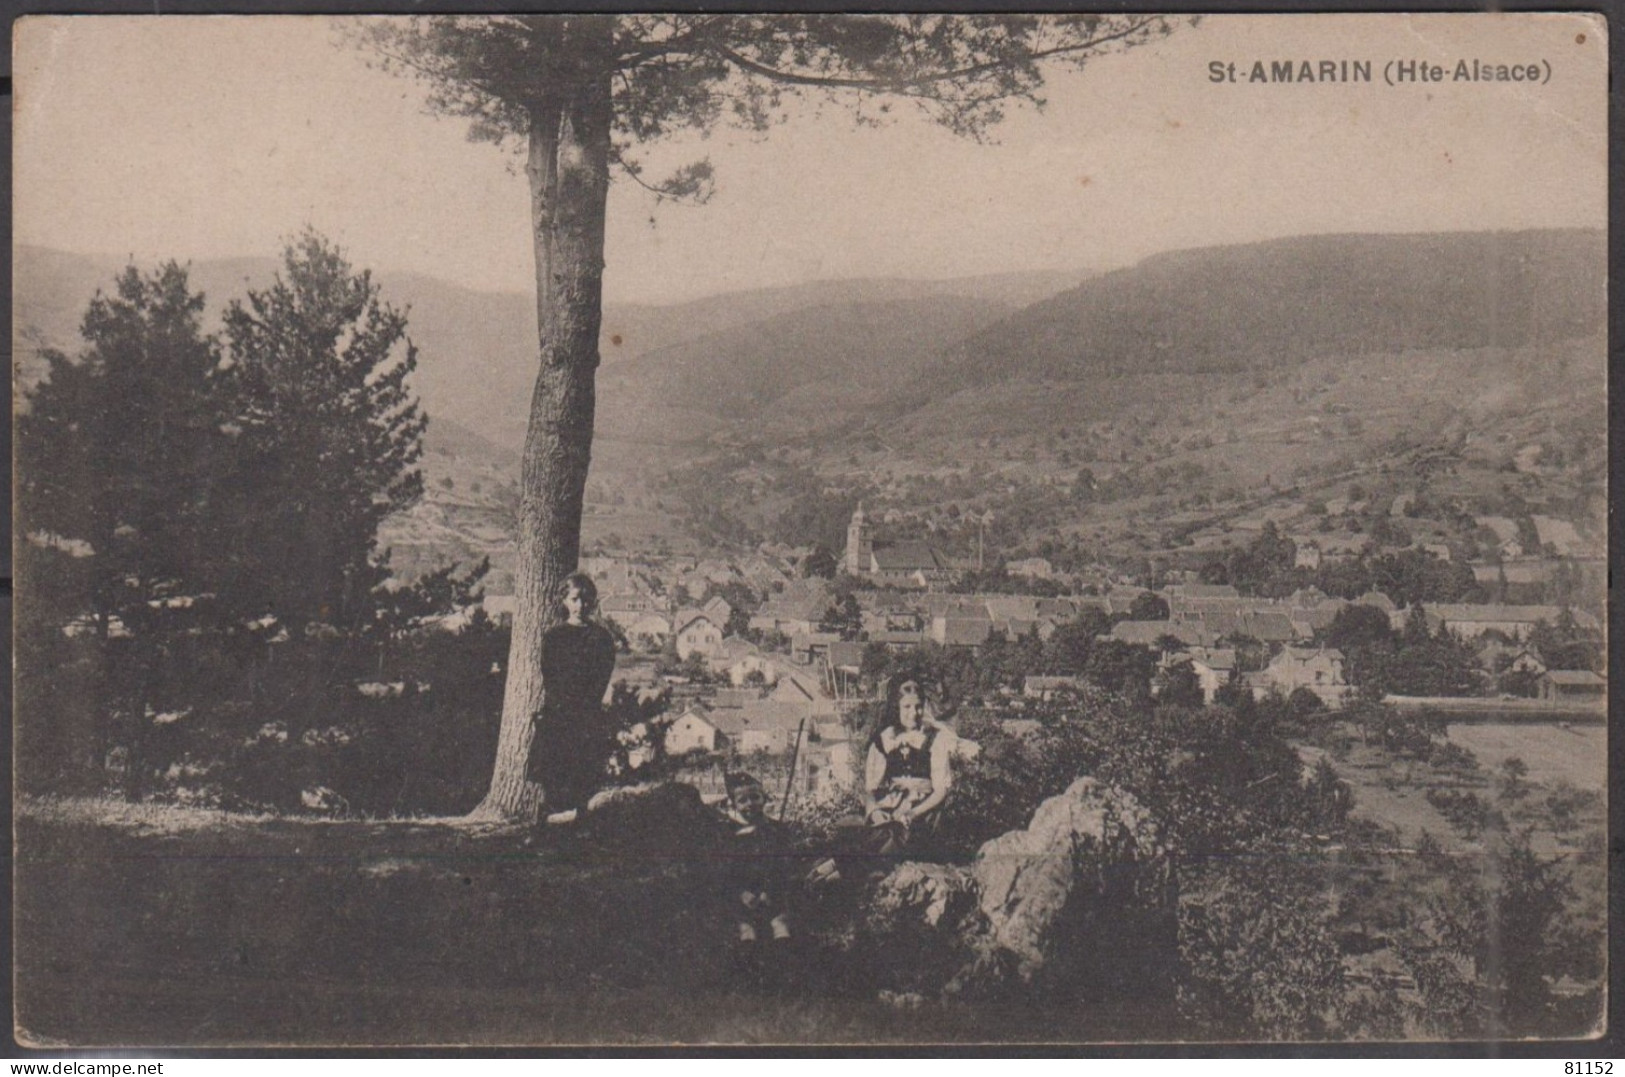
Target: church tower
x: 858, y: 546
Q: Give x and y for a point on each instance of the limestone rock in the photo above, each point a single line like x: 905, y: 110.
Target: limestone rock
x: 1025, y: 879
x: 1033, y: 899
x: 935, y: 895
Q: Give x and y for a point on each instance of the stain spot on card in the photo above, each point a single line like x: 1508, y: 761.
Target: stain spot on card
x: 1085, y: 180
x: 615, y: 340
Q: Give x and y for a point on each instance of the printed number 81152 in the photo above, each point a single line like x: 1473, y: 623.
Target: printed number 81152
x: 1588, y: 1069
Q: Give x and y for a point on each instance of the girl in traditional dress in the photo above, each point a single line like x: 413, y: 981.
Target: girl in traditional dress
x: 906, y: 773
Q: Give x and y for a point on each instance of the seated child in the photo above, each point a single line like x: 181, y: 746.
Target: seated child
x: 755, y: 857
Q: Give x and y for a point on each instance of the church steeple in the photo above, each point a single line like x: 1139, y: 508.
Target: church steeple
x: 858, y: 545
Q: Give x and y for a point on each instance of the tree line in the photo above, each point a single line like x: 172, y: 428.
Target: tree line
x: 202, y: 589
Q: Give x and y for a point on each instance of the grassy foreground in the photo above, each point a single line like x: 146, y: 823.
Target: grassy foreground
x: 140, y: 926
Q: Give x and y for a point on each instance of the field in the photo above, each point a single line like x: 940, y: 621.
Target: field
x: 1577, y: 754
x: 1391, y: 791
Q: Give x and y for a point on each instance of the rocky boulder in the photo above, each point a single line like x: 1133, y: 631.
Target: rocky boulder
x: 1045, y: 901
x: 1085, y: 844
x: 928, y: 895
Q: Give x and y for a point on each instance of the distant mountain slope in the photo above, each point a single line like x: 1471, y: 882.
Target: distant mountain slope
x: 796, y: 364
x: 477, y: 349
x: 1276, y: 303
x: 644, y: 328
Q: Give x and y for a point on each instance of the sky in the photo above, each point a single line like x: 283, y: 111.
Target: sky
x: 200, y: 137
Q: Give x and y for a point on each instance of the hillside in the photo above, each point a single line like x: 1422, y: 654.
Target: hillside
x: 797, y: 367
x: 1272, y: 304
x: 1193, y: 379
x: 477, y: 348
x: 1211, y: 385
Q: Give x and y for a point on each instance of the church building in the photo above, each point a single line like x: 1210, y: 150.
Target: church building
x: 900, y: 564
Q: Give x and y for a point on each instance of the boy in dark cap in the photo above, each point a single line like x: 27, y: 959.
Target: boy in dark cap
x: 754, y: 857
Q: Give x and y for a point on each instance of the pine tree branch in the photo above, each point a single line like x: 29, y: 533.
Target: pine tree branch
x: 916, y: 83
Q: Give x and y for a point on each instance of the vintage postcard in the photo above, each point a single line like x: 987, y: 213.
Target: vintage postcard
x: 810, y: 529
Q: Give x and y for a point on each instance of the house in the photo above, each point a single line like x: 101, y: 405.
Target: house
x: 624, y: 606
x: 893, y: 640
x: 696, y: 634
x: 731, y: 650
x: 1471, y: 620
x: 1319, y: 669
x: 1515, y: 573
x: 764, y: 726
x: 1526, y: 661
x: 739, y: 659
x: 692, y: 731
x: 1306, y: 554
x: 847, y: 657
x: 1377, y: 600
x: 830, y: 758
x: 809, y: 647
x: 718, y: 609
x: 1572, y: 686
x: 500, y: 608
x: 1191, y: 599
x: 1006, y: 608
x: 798, y: 609
x: 741, y: 671
x: 733, y: 698
x: 1062, y: 610
x: 648, y: 630
x: 1046, y: 688
x: 1268, y: 627
x: 1505, y: 528
x: 1307, y: 622
x: 1147, y: 633
x: 892, y: 620
x: 802, y: 689
x: 1214, y: 668
x: 1310, y: 611
x: 1561, y: 536
x: 962, y: 628
x: 1031, y: 568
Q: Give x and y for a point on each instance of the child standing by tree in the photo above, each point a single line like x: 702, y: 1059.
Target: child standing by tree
x: 571, y: 744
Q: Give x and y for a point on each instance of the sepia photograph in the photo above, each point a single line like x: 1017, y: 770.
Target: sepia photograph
x: 645, y: 530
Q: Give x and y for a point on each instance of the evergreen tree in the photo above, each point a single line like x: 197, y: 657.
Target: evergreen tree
x: 118, y: 449
x: 120, y: 480
x: 1148, y: 606
x: 844, y: 617
x: 320, y: 366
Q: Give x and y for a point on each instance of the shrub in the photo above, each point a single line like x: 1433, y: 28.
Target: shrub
x: 1303, y: 702
x: 1464, y: 810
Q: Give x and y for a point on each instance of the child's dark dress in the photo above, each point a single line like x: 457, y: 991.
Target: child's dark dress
x: 571, y: 745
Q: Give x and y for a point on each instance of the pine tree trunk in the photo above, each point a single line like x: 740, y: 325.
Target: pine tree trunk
x: 568, y: 169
